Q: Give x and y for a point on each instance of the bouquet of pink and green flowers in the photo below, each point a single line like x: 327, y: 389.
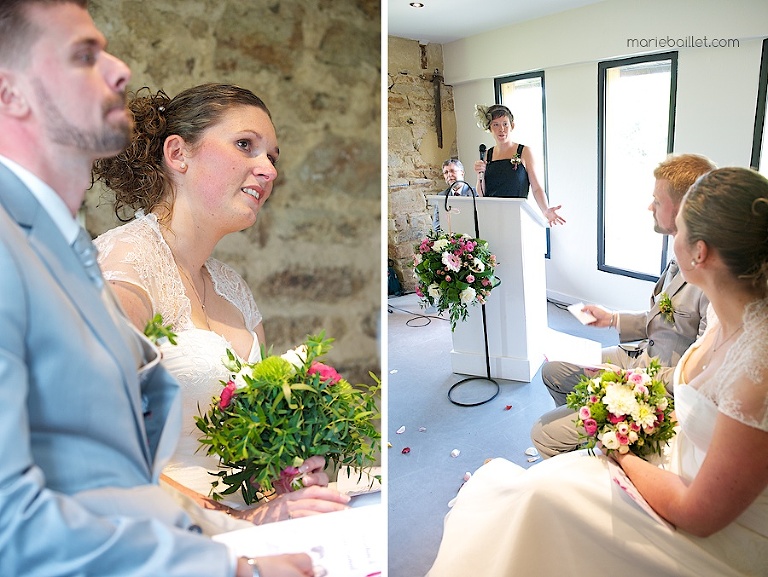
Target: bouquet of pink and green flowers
x: 625, y: 410
x: 273, y: 414
x: 452, y: 272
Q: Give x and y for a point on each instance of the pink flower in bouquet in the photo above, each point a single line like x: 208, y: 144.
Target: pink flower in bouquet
x: 622, y: 428
x: 470, y: 278
x: 584, y: 413
x: 326, y: 373
x: 590, y: 427
x: 418, y: 292
x: 226, y: 395
x: 485, y: 282
x: 286, y: 482
x: 447, y: 278
x: 635, y: 427
x: 616, y: 418
x: 641, y: 389
x: 623, y: 439
x: 451, y: 262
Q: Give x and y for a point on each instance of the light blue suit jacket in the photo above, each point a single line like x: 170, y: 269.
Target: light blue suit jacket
x: 82, y: 436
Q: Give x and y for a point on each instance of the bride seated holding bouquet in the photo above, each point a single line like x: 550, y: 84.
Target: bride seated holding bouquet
x: 702, y: 510
x: 200, y: 166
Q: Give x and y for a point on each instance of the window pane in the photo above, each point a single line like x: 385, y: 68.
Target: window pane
x: 636, y: 124
x: 523, y: 98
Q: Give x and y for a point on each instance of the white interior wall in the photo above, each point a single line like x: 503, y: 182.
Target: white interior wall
x: 716, y: 100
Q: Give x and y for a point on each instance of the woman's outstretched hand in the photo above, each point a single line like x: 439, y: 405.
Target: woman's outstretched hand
x: 552, y: 217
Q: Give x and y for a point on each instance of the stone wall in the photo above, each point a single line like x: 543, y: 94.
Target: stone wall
x: 415, y: 158
x: 313, y: 259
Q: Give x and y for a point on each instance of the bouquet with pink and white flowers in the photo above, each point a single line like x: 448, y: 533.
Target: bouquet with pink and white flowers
x: 625, y: 410
x: 272, y: 415
x: 453, y: 271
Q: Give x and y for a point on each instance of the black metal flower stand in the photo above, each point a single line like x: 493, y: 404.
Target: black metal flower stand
x: 474, y: 379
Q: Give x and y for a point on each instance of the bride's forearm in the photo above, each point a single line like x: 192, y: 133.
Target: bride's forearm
x: 662, y: 489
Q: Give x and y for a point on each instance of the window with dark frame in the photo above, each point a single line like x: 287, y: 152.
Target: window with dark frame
x: 636, y: 123
x: 525, y: 97
x: 759, y: 160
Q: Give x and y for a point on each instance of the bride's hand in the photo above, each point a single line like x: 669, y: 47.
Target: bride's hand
x: 302, y: 503
x: 312, y: 472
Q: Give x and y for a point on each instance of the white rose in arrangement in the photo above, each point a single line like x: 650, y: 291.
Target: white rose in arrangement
x: 477, y: 265
x: 610, y: 441
x: 434, y: 291
x: 297, y: 357
x: 239, y: 381
x: 468, y: 295
x: 440, y: 245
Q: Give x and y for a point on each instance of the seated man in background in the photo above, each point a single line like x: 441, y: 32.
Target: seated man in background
x: 677, y: 316
x: 453, y: 172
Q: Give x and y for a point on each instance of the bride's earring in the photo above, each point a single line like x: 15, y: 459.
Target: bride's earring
x: 183, y: 166
x: 693, y: 263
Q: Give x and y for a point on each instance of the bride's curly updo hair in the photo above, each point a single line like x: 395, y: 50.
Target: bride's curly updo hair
x: 728, y: 209
x: 138, y: 176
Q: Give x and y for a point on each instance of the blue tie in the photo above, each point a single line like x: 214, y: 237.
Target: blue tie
x: 86, y: 252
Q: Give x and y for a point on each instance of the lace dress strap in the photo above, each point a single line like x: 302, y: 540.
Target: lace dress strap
x: 740, y: 386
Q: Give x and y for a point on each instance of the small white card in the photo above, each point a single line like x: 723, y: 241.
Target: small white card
x: 584, y: 317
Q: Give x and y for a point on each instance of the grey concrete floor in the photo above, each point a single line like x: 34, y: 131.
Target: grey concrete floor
x: 422, y: 481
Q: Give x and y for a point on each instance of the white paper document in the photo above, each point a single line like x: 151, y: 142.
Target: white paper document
x: 584, y: 317
x: 346, y: 543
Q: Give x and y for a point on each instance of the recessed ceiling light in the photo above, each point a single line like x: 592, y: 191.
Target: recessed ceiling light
x: 417, y: 4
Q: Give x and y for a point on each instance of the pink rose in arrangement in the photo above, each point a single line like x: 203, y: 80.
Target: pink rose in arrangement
x: 584, y: 413
x: 326, y: 373
x: 285, y: 484
x: 590, y: 427
x: 470, y: 278
x: 616, y: 418
x: 226, y: 395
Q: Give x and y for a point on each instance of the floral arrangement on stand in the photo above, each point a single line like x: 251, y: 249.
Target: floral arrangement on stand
x: 625, y: 410
x: 274, y: 414
x: 453, y: 271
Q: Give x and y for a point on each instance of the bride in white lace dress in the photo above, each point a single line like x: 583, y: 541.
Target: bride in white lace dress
x: 565, y: 516
x: 200, y: 166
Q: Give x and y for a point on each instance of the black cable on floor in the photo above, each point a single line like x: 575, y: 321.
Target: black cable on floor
x: 416, y: 317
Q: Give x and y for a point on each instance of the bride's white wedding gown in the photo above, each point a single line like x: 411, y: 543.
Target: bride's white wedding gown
x: 136, y: 253
x: 565, y: 516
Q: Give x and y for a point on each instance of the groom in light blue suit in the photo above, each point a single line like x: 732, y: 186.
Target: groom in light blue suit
x: 88, y: 416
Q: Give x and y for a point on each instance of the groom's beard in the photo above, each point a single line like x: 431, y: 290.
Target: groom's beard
x: 109, y: 140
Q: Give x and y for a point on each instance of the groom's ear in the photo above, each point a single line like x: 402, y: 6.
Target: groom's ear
x: 12, y: 100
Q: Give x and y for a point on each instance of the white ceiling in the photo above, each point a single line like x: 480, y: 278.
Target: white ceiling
x: 443, y: 21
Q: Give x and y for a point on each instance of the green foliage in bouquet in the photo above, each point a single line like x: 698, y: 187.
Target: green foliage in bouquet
x: 453, y: 271
x: 273, y: 414
x: 626, y: 410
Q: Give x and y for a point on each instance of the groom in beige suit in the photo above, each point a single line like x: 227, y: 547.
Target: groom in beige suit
x: 660, y: 336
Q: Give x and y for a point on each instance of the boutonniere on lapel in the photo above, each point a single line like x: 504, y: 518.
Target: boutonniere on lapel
x: 157, y: 332
x: 666, y: 308
x: 515, y: 160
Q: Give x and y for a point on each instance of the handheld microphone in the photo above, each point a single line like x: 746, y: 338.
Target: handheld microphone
x: 482, y: 150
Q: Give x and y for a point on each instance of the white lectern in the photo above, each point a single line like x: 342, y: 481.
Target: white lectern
x: 516, y: 310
